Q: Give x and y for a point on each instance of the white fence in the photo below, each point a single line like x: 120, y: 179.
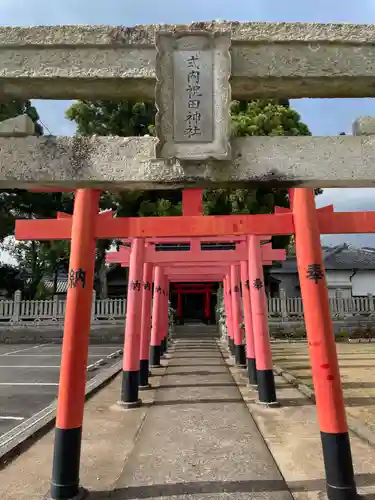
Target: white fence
x: 20, y: 311
x: 292, y: 307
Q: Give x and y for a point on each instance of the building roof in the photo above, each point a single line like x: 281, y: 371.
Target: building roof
x: 341, y: 257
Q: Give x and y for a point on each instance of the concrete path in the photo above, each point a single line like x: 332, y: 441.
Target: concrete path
x: 199, y: 437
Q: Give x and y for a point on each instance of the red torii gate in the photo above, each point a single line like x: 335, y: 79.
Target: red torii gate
x: 195, y: 257
x: 181, y: 289
x: 87, y: 225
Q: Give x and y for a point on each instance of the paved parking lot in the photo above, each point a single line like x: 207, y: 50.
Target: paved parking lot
x: 29, y: 378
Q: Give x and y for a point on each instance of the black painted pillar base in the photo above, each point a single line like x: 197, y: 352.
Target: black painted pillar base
x: 163, y: 346
x: 266, y: 388
x: 143, y: 374
x: 231, y: 345
x: 240, y: 355
x: 252, y: 371
x: 338, y: 465
x: 155, y: 355
x: 129, y: 390
x: 66, y: 460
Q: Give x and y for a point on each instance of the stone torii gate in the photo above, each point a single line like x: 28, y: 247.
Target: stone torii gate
x: 193, y: 149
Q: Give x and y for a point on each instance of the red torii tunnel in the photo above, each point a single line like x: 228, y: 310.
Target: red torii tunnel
x: 183, y: 260
x: 303, y: 220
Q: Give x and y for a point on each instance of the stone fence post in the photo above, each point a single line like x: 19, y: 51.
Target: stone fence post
x: 93, y: 306
x: 17, y: 306
x: 371, y: 307
x: 55, y: 307
x: 340, y: 303
x: 283, y: 304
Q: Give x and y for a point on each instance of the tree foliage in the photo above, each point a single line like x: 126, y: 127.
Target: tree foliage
x: 10, y: 279
x: 38, y: 259
x: 124, y: 118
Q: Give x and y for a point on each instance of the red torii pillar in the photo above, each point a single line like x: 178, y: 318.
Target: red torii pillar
x: 239, y: 348
x: 155, y: 348
x: 228, y: 312
x: 248, y: 320
x: 71, y: 395
x: 265, y: 378
x: 145, y: 326
x: 322, y: 349
x: 132, y: 341
x: 164, y: 317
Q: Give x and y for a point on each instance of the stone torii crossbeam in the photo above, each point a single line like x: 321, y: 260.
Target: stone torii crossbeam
x: 69, y: 62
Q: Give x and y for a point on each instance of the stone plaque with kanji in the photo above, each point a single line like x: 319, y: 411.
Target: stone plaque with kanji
x: 193, y: 95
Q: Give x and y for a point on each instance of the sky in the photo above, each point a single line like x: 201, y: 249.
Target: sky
x: 323, y: 116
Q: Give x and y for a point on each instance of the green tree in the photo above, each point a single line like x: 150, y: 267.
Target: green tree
x: 54, y: 257
x: 10, y: 279
x: 124, y: 118
x: 34, y: 257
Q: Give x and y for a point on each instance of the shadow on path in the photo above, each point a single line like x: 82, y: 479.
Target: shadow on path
x: 218, y: 487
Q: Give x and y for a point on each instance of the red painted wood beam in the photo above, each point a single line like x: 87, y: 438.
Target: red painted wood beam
x: 193, y: 226
x: 196, y: 255
x: 193, y: 264
x: 190, y: 258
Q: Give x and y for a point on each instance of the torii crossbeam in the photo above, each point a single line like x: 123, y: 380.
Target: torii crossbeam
x: 108, y: 227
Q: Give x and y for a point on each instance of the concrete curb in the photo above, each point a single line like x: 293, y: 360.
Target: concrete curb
x: 295, y: 382
x: 355, y: 425
x: 21, y: 437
